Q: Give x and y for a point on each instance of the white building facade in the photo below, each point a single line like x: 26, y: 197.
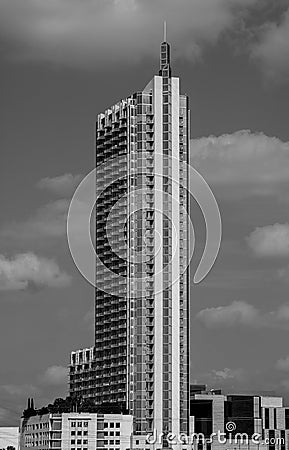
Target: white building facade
x: 9, y: 437
x: 76, y: 431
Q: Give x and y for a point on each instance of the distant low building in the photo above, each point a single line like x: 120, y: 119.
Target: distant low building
x: 76, y: 431
x: 244, y: 421
x: 9, y: 437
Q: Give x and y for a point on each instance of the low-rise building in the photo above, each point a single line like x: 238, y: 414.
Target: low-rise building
x: 76, y: 431
x: 9, y: 437
x: 239, y: 421
x: 217, y: 422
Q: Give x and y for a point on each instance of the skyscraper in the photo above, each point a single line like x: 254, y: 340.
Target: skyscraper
x: 140, y: 361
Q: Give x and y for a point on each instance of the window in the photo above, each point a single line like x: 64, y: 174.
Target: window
x: 287, y: 419
x: 72, y: 433
x: 165, y: 109
x: 79, y: 441
x: 85, y: 442
x: 271, y: 439
x: 79, y: 424
x: 79, y: 433
x: 283, y: 437
x: 73, y: 424
x: 105, y: 424
x: 111, y: 442
x: 267, y: 418
x: 85, y: 433
x: 85, y: 424
x: 72, y: 442
x: 111, y: 433
x: 111, y: 424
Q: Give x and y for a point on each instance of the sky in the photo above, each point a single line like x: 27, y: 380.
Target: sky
x: 63, y: 62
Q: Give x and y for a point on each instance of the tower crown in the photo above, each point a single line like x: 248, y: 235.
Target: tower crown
x: 165, y: 56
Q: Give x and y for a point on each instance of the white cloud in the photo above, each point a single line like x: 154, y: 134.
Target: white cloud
x: 272, y: 49
x: 49, y: 221
x: 229, y: 374
x: 93, y: 32
x: 28, y: 269
x: 55, y: 375
x: 270, y: 241
x: 227, y: 378
x: 283, y: 364
x: 240, y: 313
x: 237, y: 313
x: 254, y: 163
x: 63, y: 185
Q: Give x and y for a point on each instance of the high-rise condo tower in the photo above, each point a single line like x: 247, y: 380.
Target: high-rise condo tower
x: 140, y: 361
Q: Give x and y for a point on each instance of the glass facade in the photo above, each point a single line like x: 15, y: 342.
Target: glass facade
x: 240, y: 410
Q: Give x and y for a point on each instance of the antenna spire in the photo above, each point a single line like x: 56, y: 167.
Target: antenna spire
x: 165, y: 31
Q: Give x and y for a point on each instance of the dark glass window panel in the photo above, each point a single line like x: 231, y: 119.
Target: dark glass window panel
x: 271, y: 440
x: 267, y: 418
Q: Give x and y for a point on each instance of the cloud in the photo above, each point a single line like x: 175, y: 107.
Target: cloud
x: 254, y: 163
x: 55, y: 375
x: 283, y: 364
x: 240, y: 313
x: 229, y: 374
x: 28, y: 269
x: 270, y: 241
x: 228, y: 379
x: 93, y: 32
x: 272, y: 49
x: 63, y: 185
x: 49, y: 221
x: 237, y: 313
